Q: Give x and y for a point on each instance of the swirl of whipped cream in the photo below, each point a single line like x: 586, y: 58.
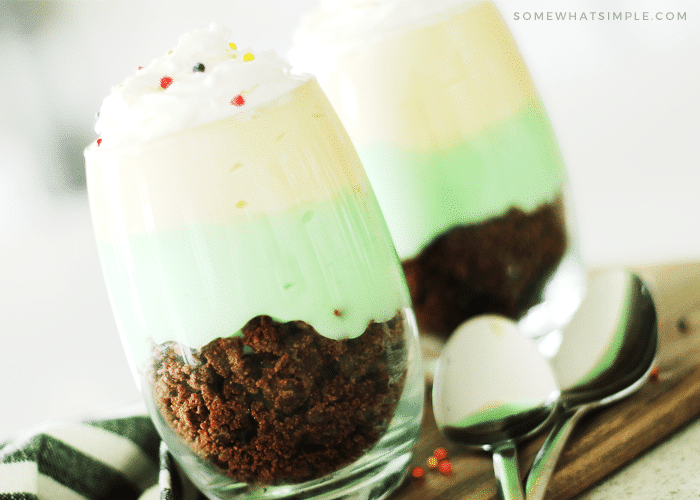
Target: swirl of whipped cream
x: 171, y: 95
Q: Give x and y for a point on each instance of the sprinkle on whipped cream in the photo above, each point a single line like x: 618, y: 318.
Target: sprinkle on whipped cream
x: 204, y: 79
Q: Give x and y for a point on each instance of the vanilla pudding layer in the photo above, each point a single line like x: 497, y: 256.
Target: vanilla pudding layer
x: 456, y: 132
x: 239, y: 218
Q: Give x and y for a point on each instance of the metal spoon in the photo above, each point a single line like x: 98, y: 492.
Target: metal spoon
x: 492, y: 388
x: 607, y: 352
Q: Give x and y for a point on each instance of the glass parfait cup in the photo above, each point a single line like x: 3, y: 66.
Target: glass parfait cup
x: 261, y: 303
x: 462, y: 157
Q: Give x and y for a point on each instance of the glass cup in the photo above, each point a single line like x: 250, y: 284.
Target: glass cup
x: 461, y: 155
x: 261, y: 303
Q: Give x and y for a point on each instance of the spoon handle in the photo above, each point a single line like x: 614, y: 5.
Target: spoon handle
x: 505, y: 466
x: 548, y: 456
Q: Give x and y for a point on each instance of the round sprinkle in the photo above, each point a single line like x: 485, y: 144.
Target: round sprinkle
x: 99, y: 141
x: 248, y: 57
x: 440, y: 454
x: 418, y: 472
x: 445, y: 467
x: 654, y: 374
x: 338, y: 312
x: 432, y: 463
x: 238, y: 100
x: 232, y: 45
x: 165, y: 82
x: 199, y: 67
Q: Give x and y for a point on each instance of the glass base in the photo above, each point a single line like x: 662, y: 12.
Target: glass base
x: 372, y: 477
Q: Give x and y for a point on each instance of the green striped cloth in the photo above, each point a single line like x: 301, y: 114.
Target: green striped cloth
x: 121, y: 458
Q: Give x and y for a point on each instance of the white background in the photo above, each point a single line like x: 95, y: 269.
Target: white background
x: 623, y: 97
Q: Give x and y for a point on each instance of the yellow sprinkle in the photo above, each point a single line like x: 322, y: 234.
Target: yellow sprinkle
x: 248, y: 57
x: 232, y: 45
x: 241, y: 204
x: 236, y: 166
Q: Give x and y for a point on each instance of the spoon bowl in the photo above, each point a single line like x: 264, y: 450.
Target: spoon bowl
x: 492, y: 389
x: 607, y: 352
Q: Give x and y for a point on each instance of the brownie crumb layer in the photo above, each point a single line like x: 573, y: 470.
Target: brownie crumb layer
x: 281, y: 403
x: 497, y: 266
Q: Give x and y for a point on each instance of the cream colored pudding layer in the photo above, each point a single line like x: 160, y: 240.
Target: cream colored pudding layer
x: 444, y: 117
x: 242, y: 217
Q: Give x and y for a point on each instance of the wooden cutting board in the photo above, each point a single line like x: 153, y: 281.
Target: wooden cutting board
x: 606, y: 439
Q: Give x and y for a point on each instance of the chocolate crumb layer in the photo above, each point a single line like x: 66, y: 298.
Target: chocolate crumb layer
x: 281, y: 403
x: 498, y: 266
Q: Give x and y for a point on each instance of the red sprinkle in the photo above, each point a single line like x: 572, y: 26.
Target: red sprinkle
x: 654, y: 374
x: 99, y: 141
x: 445, y: 467
x: 140, y: 67
x: 418, y: 472
x: 165, y: 82
x: 440, y: 453
x: 432, y: 463
x: 238, y: 100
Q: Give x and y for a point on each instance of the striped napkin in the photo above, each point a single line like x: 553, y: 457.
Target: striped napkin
x: 120, y: 458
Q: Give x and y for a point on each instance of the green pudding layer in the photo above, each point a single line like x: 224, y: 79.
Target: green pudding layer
x: 330, y: 265
x: 422, y: 194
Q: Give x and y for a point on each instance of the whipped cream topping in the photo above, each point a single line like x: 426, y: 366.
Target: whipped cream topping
x: 204, y: 79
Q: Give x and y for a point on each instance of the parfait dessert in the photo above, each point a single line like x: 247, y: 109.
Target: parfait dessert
x: 252, y: 277
x: 460, y: 153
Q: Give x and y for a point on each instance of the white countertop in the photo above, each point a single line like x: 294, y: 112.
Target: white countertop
x: 669, y: 470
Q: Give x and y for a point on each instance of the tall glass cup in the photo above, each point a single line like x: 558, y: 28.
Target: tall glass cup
x: 261, y: 303
x: 460, y: 152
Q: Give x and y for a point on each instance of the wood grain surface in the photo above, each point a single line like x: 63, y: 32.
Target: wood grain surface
x: 606, y: 439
